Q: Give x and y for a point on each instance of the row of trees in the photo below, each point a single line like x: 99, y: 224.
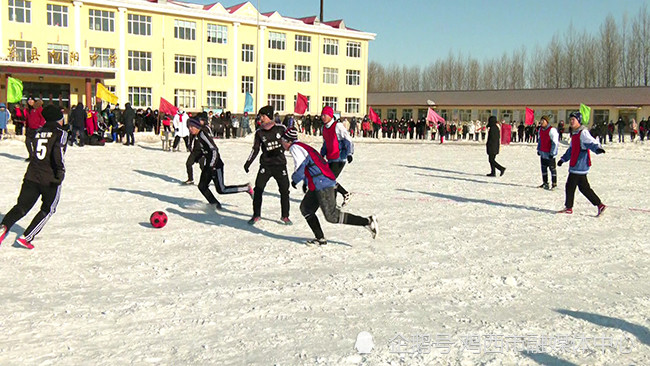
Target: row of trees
x: 617, y: 55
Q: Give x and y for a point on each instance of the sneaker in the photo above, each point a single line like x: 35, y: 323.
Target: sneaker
x: 24, y: 243
x: 286, y: 221
x: 503, y: 171
x: 250, y: 191
x: 217, y: 206
x: 373, y: 227
x: 554, y: 186
x: 346, y: 199
x: 3, y: 233
x: 491, y: 175
x: 254, y: 220
x: 188, y: 182
x: 601, y: 209
x: 568, y: 211
x: 316, y: 242
x: 544, y: 186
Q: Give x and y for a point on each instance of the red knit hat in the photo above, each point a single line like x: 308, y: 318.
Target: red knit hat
x: 327, y: 111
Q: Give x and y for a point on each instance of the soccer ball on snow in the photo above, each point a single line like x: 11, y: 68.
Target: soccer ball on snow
x: 158, y: 219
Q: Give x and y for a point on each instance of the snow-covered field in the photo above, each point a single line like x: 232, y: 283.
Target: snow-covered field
x: 459, y: 256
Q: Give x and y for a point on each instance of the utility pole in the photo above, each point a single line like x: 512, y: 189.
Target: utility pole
x: 321, y: 11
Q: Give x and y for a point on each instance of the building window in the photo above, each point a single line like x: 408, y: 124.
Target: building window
x: 407, y: 114
x: 184, y: 30
x: 247, y: 53
x: 465, y: 115
x: 295, y: 100
x: 330, y: 75
x: 217, y: 33
x: 330, y: 46
x: 331, y: 101
x: 185, y: 98
x: 102, y: 20
x: 57, y: 54
x: 102, y: 58
x: 483, y: 115
x: 391, y: 113
x: 140, y: 96
x: 23, y: 50
x: 139, y: 25
x: 353, y: 49
x: 217, y: 99
x: 277, y: 102
x: 277, y: 41
x: 57, y: 15
x: 185, y: 64
x: 601, y: 116
x: 276, y: 71
x: 302, y: 73
x: 303, y: 43
x: 352, y: 77
x: 247, y: 84
x: 352, y: 105
x: 139, y: 61
x: 217, y: 66
x: 422, y: 113
x: 20, y: 11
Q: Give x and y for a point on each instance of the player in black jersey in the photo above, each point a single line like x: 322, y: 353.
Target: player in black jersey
x: 195, y: 152
x: 43, y: 178
x: 213, y: 169
x: 273, y: 163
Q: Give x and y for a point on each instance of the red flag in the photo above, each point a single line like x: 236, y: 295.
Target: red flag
x: 530, y: 116
x: 374, y: 117
x: 166, y: 107
x: 301, y: 104
x: 432, y: 116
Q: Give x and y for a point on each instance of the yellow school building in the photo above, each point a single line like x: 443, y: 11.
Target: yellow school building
x: 198, y: 56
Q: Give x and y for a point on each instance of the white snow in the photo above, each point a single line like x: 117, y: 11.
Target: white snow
x: 458, y: 254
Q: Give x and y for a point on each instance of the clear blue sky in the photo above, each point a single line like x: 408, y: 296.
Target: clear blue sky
x: 417, y: 32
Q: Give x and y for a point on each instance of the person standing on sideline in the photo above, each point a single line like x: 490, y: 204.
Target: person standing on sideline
x: 337, y: 148
x: 620, y: 124
x: 547, y: 146
x: 579, y: 159
x: 34, y: 121
x: 18, y: 117
x: 5, y: 116
x: 129, y: 125
x: 213, y: 169
x: 180, y: 129
x: 319, y: 185
x: 43, y: 178
x: 493, y: 144
x: 273, y: 164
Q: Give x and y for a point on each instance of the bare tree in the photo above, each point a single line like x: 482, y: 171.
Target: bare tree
x: 610, y: 51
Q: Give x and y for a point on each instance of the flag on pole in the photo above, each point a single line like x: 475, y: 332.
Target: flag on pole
x: 373, y: 116
x: 301, y: 104
x: 432, y: 116
x: 248, y: 104
x: 166, y: 107
x: 586, y: 114
x: 14, y: 90
x: 105, y: 94
x: 530, y: 116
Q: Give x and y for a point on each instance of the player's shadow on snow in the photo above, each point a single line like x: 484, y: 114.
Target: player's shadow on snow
x: 150, y: 148
x: 166, y: 178
x: 480, y: 201
x: 474, y: 180
x: 214, y: 218
x: 277, y: 195
x: 438, y: 170
x: 640, y: 332
x: 547, y: 360
x: 11, y: 156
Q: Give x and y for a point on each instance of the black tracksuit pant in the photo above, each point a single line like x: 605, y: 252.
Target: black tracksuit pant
x: 326, y: 200
x: 549, y: 164
x: 580, y: 181
x: 191, y: 160
x: 208, y: 174
x: 493, y: 164
x: 29, y: 194
x: 279, y: 173
x: 337, y: 167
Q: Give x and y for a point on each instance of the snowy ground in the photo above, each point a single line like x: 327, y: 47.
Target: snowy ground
x: 459, y: 255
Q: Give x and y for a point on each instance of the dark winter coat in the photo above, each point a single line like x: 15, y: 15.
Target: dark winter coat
x: 78, y: 116
x: 129, y: 117
x: 494, y: 137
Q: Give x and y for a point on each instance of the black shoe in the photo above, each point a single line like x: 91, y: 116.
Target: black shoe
x: 545, y: 186
x: 316, y: 242
x: 503, y: 171
x: 254, y: 220
x: 188, y: 182
x: 491, y: 175
x: 554, y: 186
x: 217, y: 206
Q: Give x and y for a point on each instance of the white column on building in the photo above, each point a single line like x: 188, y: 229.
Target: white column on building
x: 77, y: 31
x: 122, y: 58
x: 260, y: 73
x: 235, y: 75
x: 2, y: 53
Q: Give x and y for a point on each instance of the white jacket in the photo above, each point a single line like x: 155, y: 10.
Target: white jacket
x: 180, y: 124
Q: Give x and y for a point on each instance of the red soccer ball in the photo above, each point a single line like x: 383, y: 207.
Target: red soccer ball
x: 158, y: 219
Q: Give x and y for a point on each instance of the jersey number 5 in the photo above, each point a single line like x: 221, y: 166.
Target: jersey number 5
x: 41, y: 148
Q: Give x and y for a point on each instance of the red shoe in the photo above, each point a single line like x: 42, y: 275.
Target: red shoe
x: 24, y: 243
x: 568, y: 211
x: 286, y: 221
x: 3, y: 233
x: 601, y: 209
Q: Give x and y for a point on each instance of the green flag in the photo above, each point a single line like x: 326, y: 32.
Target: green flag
x: 586, y: 114
x: 14, y: 90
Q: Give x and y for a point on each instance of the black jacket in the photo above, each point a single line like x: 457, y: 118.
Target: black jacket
x: 209, y: 149
x: 78, y: 117
x: 493, y: 139
x: 46, y: 162
x: 129, y: 117
x: 272, y: 150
